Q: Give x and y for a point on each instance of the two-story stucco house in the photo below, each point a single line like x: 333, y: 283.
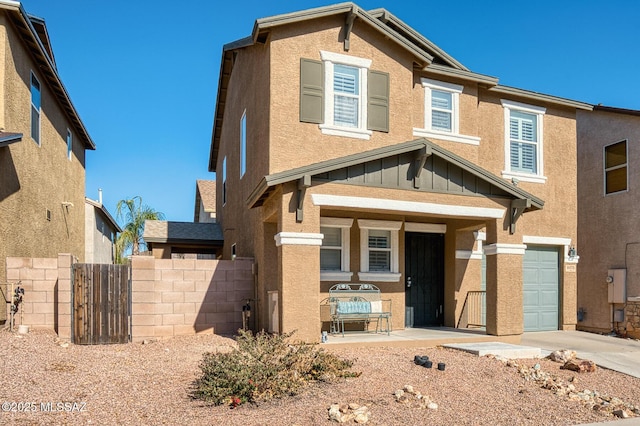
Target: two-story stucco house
x: 609, y: 272
x: 348, y: 148
x: 42, y: 160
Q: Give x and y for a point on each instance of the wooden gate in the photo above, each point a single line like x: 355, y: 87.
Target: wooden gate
x: 101, y: 303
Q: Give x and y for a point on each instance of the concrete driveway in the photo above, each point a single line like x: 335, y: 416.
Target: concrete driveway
x: 610, y: 352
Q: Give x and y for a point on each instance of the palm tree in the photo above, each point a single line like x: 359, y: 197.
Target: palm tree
x: 135, y: 214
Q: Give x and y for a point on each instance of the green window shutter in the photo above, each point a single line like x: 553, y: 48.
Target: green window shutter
x: 378, y: 102
x: 311, y: 91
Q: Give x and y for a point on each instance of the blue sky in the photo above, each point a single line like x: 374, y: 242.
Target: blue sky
x: 143, y: 74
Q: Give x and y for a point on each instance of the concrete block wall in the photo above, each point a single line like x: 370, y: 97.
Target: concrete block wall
x: 47, y: 291
x: 172, y: 297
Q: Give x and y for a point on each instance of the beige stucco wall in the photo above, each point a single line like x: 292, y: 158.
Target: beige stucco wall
x: 36, y: 178
x: 608, y: 226
x: 284, y: 143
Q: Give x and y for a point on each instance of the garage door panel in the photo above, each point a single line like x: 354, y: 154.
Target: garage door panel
x: 549, y: 299
x: 530, y: 298
x: 548, y: 321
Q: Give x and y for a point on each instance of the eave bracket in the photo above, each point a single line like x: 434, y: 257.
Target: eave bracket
x: 303, y: 184
x: 518, y: 207
x: 348, y: 26
x: 420, y: 161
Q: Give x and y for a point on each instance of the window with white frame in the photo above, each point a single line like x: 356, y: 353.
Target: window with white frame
x: 243, y: 143
x: 379, y: 250
x: 523, y: 142
x: 442, y: 112
x: 334, y: 252
x: 345, y: 95
x: 69, y: 144
x: 35, y: 109
x: 224, y: 181
x: 615, y: 167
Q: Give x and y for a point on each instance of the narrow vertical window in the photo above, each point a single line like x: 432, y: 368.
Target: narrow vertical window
x: 615, y: 167
x: 379, y: 250
x: 524, y: 142
x: 35, y: 109
x: 69, y: 144
x: 224, y: 181
x: 441, y: 110
x: 331, y: 250
x: 243, y: 143
x: 346, y: 88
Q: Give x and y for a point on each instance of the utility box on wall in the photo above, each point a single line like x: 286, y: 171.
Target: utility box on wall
x: 617, y: 282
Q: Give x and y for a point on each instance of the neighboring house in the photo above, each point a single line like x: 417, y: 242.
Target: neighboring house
x: 182, y: 240
x: 101, y: 230
x: 42, y: 147
x: 349, y: 148
x: 609, y: 229
x: 205, y: 210
x: 200, y: 239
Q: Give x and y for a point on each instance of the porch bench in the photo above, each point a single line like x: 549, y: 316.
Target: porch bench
x: 358, y: 303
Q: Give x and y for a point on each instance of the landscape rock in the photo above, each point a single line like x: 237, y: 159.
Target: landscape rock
x: 562, y: 355
x: 344, y: 413
x: 621, y: 414
x: 580, y: 366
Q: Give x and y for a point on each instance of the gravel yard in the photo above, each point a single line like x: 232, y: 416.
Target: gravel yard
x: 45, y: 381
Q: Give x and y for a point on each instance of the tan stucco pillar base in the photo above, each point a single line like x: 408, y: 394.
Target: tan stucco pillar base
x: 300, y: 291
x: 504, y: 289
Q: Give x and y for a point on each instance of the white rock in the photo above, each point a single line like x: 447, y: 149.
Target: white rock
x: 432, y: 406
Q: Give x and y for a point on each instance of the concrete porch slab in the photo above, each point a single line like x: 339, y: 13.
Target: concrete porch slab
x: 506, y: 350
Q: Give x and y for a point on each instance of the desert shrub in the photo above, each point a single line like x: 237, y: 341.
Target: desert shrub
x: 265, y: 366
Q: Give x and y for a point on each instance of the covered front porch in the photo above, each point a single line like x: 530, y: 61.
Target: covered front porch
x: 413, y: 219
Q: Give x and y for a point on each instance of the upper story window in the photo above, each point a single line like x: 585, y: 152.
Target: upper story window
x: 344, y: 96
x: 523, y: 142
x: 615, y: 167
x: 379, y: 250
x: 442, y: 112
x: 69, y: 144
x: 224, y: 181
x: 334, y: 252
x: 35, y: 109
x: 243, y: 143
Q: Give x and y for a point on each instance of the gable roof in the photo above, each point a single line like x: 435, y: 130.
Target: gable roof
x: 268, y: 183
x: 429, y: 56
x: 99, y: 206
x: 262, y: 26
x: 205, y: 197
x: 31, y: 29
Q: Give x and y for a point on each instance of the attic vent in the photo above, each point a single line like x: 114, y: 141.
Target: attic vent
x: 48, y: 215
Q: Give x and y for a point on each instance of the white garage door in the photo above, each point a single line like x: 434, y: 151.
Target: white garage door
x: 541, y: 294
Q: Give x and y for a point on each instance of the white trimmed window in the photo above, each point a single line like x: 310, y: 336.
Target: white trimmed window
x: 615, y: 168
x: 35, y: 108
x: 379, y: 250
x: 224, y: 181
x: 69, y: 144
x: 523, y: 142
x: 345, y: 95
x: 334, y: 252
x: 243, y: 143
x: 442, y: 112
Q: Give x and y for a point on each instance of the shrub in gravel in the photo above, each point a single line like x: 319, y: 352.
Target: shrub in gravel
x: 265, y: 366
